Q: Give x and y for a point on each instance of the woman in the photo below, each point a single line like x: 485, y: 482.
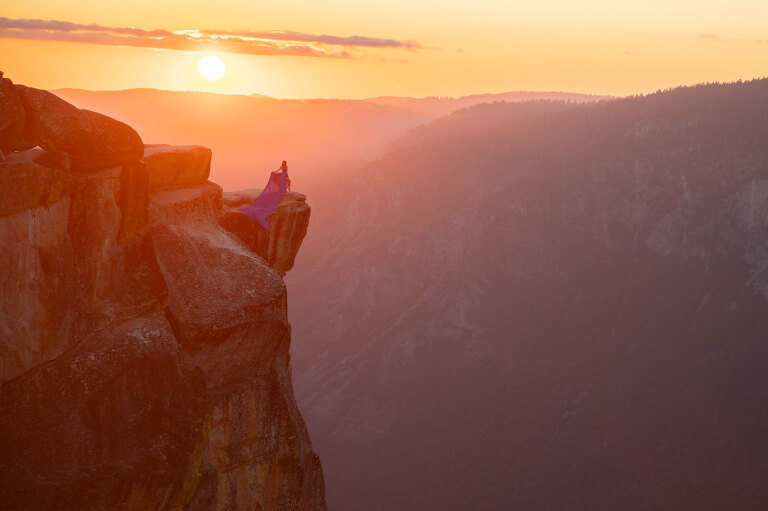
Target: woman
x: 284, y: 169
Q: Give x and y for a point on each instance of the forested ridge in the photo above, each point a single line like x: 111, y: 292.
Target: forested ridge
x: 545, y: 306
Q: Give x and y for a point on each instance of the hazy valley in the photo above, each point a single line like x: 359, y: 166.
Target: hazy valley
x: 545, y: 306
x: 250, y: 135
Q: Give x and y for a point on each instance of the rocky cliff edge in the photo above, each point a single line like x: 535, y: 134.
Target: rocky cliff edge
x: 144, y: 341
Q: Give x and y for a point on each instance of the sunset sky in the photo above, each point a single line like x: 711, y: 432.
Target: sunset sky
x: 354, y: 49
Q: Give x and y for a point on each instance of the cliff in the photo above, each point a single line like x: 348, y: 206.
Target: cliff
x: 144, y: 348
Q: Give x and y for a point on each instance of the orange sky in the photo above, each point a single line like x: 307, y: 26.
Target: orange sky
x: 406, y: 48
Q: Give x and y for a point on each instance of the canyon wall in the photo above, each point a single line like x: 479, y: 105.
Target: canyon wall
x: 144, y: 348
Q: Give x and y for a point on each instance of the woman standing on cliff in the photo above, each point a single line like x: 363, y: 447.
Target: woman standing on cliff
x: 260, y: 209
x: 284, y: 169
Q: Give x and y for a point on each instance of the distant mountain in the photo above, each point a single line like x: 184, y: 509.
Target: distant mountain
x: 437, y: 106
x: 545, y: 306
x: 251, y: 135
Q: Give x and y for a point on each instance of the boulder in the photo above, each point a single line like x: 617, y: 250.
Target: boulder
x: 92, y: 140
x: 119, y: 422
x: 214, y: 284
x: 176, y: 165
x: 11, y: 117
x: 217, y: 288
x: 288, y: 226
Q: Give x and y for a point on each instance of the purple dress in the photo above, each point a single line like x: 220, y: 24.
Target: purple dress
x: 260, y: 209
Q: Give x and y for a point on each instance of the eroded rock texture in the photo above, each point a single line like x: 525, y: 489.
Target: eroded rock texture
x: 288, y: 225
x: 228, y: 309
x: 173, y: 166
x: 144, y: 350
x: 11, y: 117
x: 119, y: 422
x: 37, y: 266
x: 92, y: 140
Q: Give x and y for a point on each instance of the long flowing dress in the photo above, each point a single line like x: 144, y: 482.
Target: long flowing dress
x: 260, y: 209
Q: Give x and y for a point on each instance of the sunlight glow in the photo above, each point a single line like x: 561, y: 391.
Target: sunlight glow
x: 211, y: 67
x: 401, y: 48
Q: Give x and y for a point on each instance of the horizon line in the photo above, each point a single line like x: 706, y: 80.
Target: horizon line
x: 437, y: 97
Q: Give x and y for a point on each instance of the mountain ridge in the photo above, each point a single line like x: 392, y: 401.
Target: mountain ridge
x: 320, y: 138
x: 572, y: 304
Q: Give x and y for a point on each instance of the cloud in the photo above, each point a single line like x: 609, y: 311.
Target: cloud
x: 247, y: 42
x: 355, y: 40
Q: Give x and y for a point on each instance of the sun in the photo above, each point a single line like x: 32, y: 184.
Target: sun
x: 211, y: 68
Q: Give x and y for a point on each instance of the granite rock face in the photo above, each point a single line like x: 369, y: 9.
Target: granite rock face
x: 144, y: 350
x: 119, y: 422
x: 228, y: 309
x: 92, y: 140
x: 32, y: 178
x: 11, y: 117
x: 173, y: 166
x: 38, y: 265
x: 288, y: 226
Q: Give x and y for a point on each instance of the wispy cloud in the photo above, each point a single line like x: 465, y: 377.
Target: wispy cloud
x: 239, y: 41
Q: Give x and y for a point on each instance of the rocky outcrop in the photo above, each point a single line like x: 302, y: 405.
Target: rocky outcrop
x: 11, y: 117
x: 288, y: 225
x: 228, y: 309
x: 169, y: 165
x: 92, y: 140
x: 144, y: 350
